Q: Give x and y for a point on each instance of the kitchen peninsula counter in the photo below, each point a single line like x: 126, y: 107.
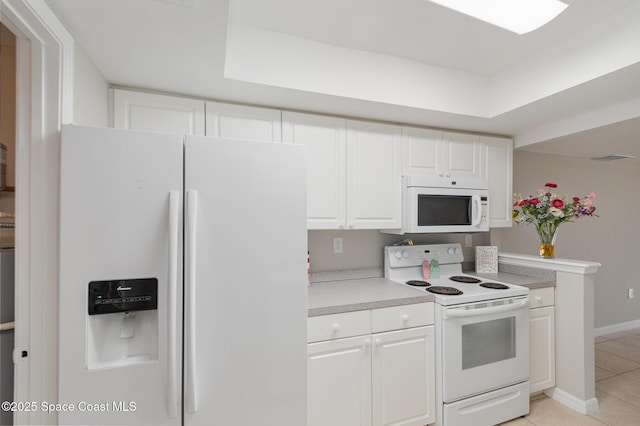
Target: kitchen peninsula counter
x: 334, y: 297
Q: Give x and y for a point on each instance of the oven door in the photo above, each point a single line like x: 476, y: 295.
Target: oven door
x: 485, y: 346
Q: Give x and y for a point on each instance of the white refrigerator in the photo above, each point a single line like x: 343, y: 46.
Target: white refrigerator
x: 183, y: 288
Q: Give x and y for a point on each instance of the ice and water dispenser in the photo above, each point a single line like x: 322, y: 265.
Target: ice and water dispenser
x: 123, y: 322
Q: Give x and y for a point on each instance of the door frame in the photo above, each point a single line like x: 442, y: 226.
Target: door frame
x: 45, y: 59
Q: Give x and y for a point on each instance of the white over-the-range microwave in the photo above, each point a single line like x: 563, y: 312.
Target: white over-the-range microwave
x: 443, y: 205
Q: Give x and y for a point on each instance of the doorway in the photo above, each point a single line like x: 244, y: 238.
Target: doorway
x: 8, y: 87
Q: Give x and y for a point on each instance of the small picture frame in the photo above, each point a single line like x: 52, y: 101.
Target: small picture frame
x: 487, y: 259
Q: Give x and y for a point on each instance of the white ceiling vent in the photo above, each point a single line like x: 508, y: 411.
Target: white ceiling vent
x: 612, y: 157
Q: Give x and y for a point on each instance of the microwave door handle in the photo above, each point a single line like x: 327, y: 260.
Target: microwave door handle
x: 475, y: 199
x: 462, y: 313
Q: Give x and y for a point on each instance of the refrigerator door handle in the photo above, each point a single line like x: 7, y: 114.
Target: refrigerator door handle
x: 173, y: 382
x: 190, y: 308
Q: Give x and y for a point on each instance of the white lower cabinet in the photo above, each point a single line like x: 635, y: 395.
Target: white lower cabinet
x: 339, y: 382
x: 377, y: 378
x: 542, y: 364
x: 402, y: 377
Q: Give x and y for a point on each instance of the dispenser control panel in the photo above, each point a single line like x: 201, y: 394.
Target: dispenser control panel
x: 108, y: 297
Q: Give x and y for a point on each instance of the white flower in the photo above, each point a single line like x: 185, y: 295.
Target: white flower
x: 556, y: 212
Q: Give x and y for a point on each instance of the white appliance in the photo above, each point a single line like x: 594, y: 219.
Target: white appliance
x: 437, y: 205
x: 183, y: 296
x: 482, y: 335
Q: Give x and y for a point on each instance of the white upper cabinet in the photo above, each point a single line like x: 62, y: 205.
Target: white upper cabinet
x: 373, y: 175
x: 243, y: 122
x: 498, y: 170
x: 443, y: 154
x: 325, y: 139
x: 462, y: 155
x: 353, y: 176
x: 157, y: 113
x: 422, y: 151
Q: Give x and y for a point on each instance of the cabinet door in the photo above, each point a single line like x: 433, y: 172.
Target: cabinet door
x: 373, y: 176
x: 243, y: 122
x: 462, y: 155
x: 498, y: 170
x: 339, y: 382
x: 542, y: 368
x: 422, y: 151
x: 403, y: 381
x: 157, y: 113
x: 324, y: 138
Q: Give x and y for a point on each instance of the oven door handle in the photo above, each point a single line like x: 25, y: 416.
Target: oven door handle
x: 462, y: 313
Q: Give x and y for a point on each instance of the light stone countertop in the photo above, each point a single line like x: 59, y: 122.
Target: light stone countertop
x: 517, y: 279
x: 335, y: 297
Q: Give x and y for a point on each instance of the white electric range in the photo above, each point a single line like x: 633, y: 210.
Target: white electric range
x: 482, y: 335
x: 406, y: 265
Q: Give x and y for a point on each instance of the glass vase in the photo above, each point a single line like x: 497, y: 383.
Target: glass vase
x: 547, y: 233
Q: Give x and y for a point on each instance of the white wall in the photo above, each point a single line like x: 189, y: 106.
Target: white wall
x: 610, y: 239
x: 90, y: 92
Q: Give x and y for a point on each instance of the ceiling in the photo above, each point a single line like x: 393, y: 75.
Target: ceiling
x: 571, y: 87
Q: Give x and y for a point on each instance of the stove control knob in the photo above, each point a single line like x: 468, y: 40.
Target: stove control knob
x: 456, y: 250
x: 397, y: 255
x: 450, y: 250
x: 405, y: 254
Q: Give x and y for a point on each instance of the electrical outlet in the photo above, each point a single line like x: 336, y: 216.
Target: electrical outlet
x: 468, y: 240
x: 630, y: 293
x: 337, y: 245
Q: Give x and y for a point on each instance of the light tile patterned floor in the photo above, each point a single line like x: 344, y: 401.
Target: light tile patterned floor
x: 617, y: 388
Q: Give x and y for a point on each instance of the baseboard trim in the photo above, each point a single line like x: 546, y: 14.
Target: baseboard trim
x: 615, y: 328
x: 581, y: 406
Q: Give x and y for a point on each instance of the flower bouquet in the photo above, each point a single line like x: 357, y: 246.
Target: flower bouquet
x: 547, y: 210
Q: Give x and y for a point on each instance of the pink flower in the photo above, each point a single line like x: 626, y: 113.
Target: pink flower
x: 592, y: 195
x: 557, y: 203
x: 523, y: 203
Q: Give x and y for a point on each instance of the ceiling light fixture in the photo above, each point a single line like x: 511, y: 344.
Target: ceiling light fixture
x: 518, y: 16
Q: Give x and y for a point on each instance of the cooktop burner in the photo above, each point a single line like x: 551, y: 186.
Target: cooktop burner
x: 464, y: 279
x: 496, y: 286
x: 418, y: 283
x: 449, y: 291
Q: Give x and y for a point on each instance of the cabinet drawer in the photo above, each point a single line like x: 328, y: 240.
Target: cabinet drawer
x: 399, y: 317
x: 327, y: 327
x: 541, y: 297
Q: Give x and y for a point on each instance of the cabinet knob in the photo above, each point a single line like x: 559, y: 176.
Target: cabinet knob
x: 405, y: 318
x: 538, y: 299
x: 367, y: 341
x: 378, y: 342
x: 336, y: 328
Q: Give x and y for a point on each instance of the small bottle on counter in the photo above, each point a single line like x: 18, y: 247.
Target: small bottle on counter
x: 426, y: 270
x: 435, y: 268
